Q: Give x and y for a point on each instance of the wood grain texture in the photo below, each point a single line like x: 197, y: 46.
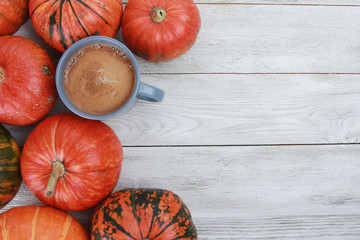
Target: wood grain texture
x: 314, y: 227
x: 271, y: 39
x: 249, y: 80
x: 263, y: 39
x: 280, y: 2
x: 288, y: 192
x: 220, y: 109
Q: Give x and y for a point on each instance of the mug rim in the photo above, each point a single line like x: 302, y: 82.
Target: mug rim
x: 59, y: 77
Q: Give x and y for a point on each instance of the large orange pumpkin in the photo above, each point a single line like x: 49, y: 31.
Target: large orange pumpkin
x: 40, y: 222
x: 62, y: 22
x: 27, y: 81
x: 70, y: 162
x: 143, y: 214
x: 160, y: 30
x: 13, y: 14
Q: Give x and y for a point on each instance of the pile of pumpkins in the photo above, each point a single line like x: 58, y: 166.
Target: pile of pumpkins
x: 68, y: 162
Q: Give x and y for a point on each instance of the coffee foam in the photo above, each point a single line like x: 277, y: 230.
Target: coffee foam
x: 99, y: 79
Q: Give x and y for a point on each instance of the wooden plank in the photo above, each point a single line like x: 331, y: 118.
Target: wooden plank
x: 225, y: 109
x: 280, y: 2
x: 264, y: 39
x: 289, y: 192
x: 337, y: 227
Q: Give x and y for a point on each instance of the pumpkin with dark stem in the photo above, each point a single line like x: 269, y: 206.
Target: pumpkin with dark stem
x: 10, y: 178
x: 63, y: 22
x: 27, y: 81
x: 13, y: 14
x: 160, y: 30
x: 70, y: 162
x: 143, y: 214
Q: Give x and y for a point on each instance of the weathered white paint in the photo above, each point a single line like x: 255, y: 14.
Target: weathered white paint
x: 226, y: 109
x: 217, y: 94
x: 250, y: 192
x: 264, y: 39
x: 280, y: 2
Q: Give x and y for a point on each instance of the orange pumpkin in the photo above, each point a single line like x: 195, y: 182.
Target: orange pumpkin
x: 40, y: 222
x: 160, y: 30
x: 143, y: 214
x: 27, y: 81
x: 61, y: 22
x: 13, y: 14
x: 70, y: 162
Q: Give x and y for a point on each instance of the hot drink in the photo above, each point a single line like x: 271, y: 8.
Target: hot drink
x: 99, y: 79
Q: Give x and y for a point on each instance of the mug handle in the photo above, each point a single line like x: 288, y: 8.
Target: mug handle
x: 150, y: 93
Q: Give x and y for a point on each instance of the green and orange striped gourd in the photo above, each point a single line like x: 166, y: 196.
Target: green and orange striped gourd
x: 63, y: 22
x: 10, y: 178
x: 143, y: 214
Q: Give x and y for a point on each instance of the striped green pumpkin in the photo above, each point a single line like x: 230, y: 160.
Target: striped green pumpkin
x: 143, y: 214
x: 10, y: 178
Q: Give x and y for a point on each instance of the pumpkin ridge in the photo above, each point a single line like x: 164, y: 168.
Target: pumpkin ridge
x: 66, y: 183
x: 77, y: 18
x: 34, y: 222
x: 155, y: 209
x: 174, y: 220
x: 61, y: 29
x: 141, y: 36
x: 14, y: 4
x: 10, y: 22
x: 188, y: 25
x: 4, y: 232
x: 107, y: 218
x: 52, y: 22
x: 97, y: 171
x: 66, y: 227
x: 87, y: 6
x: 189, y: 231
x: 134, y: 210
x: 32, y: 12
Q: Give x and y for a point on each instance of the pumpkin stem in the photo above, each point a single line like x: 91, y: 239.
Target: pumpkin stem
x: 2, y: 75
x: 58, y: 170
x: 157, y: 14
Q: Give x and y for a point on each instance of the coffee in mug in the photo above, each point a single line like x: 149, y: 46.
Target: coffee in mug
x: 99, y: 79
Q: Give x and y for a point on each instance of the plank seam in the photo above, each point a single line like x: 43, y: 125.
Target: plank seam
x: 234, y: 73
x: 238, y: 145
x: 277, y: 4
x: 283, y: 4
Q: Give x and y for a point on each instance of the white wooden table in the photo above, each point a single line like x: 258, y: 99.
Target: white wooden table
x: 259, y: 130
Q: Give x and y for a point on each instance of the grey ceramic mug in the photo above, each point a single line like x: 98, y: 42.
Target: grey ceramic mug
x: 142, y: 90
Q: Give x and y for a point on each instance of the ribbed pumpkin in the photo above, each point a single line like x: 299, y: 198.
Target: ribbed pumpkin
x: 62, y: 22
x: 71, y: 163
x: 10, y: 178
x: 13, y: 14
x: 143, y: 214
x: 160, y: 30
x: 27, y: 81
x: 40, y: 222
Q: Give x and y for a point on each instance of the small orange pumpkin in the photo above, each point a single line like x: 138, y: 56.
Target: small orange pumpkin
x: 160, y: 30
x: 13, y: 14
x: 27, y: 81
